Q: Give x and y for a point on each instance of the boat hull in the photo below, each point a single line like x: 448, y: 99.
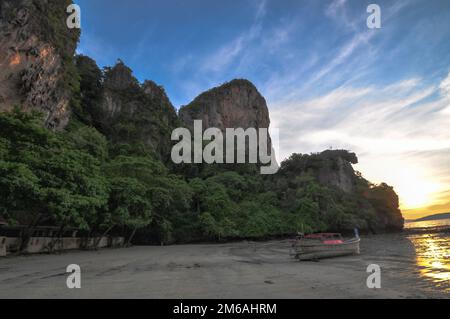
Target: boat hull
x: 303, y: 250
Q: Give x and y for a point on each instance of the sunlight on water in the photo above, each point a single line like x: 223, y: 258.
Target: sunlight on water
x: 428, y: 224
x: 433, y: 257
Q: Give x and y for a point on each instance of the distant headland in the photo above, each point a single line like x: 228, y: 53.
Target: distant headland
x: 433, y: 217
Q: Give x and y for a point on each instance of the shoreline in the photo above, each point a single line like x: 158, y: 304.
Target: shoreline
x: 118, y: 241
x: 231, y: 270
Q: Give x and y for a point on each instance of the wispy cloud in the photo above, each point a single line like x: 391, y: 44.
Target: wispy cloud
x: 338, y: 12
x: 342, y: 55
x: 445, y: 86
x: 223, y: 57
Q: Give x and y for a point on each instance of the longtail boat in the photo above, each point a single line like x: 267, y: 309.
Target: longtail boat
x: 325, y: 245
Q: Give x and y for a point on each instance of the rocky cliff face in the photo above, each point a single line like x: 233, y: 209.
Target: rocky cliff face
x: 339, y: 171
x: 135, y: 113
x: 331, y: 168
x: 35, y: 53
x: 236, y: 104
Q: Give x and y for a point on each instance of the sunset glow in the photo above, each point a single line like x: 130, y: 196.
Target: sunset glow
x: 415, y: 193
x: 420, y: 188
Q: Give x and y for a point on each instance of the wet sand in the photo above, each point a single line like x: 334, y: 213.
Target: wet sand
x: 234, y: 270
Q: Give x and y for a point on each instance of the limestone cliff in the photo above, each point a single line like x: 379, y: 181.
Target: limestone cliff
x: 36, y: 50
x: 131, y: 112
x: 236, y: 104
x: 339, y: 171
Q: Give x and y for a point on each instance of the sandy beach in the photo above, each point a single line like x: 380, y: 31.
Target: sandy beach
x: 233, y: 270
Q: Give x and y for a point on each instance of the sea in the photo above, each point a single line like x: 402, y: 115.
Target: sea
x: 431, y: 240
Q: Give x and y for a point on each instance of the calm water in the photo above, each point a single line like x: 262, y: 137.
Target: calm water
x: 428, y: 224
x: 433, y: 251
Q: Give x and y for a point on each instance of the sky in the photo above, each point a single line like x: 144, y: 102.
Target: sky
x: 329, y: 80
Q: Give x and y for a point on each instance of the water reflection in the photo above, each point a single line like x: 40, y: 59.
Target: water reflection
x: 428, y: 224
x: 433, y: 257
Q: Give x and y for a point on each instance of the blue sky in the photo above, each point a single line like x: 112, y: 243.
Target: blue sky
x: 329, y: 80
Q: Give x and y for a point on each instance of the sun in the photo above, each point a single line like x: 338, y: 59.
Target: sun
x: 414, y: 181
x: 412, y: 196
x: 416, y: 192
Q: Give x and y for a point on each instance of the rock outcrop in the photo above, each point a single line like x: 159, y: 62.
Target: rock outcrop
x: 349, y: 197
x: 339, y: 172
x: 131, y: 112
x: 236, y: 104
x: 36, y: 49
x: 385, y: 202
